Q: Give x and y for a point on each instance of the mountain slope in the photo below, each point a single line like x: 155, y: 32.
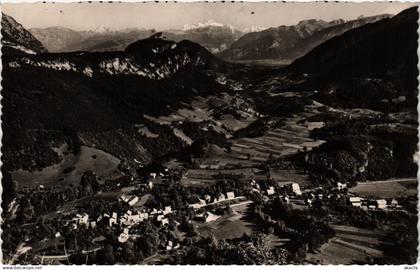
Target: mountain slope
x: 88, y: 94
x: 56, y: 39
x: 16, y: 39
x: 289, y: 42
x: 375, y: 61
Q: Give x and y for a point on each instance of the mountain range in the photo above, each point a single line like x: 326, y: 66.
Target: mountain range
x: 283, y: 43
x: 212, y: 35
x: 287, y: 43
x: 369, y: 66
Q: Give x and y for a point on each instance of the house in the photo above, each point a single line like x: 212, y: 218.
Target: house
x: 160, y: 217
x: 133, y: 201
x: 270, y: 191
x: 230, y: 195
x: 153, y: 175
x: 93, y: 224
x: 221, y: 197
x: 394, y: 203
x: 82, y: 219
x: 112, y: 221
x: 123, y: 237
x: 167, y: 210
x: 212, y: 164
x: 57, y: 234
x: 355, y: 201
x: 296, y: 189
x: 380, y: 204
x: 207, y: 198
x: 341, y: 186
x: 165, y: 221
x: 150, y: 184
x: 169, y: 245
x: 136, y: 218
x: 286, y: 199
x: 114, y: 215
x: 208, y: 217
x: 125, y: 198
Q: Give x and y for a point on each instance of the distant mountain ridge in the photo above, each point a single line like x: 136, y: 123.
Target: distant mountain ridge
x: 212, y: 35
x: 289, y: 42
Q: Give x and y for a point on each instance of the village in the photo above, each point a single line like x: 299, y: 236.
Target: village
x: 126, y: 212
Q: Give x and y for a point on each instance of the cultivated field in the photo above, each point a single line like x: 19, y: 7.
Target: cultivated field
x: 392, y: 188
x: 228, y: 226
x: 351, y: 245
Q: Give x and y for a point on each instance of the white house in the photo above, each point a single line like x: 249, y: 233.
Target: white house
x: 207, y: 198
x: 380, y: 204
x: 160, y: 217
x: 394, y: 203
x: 133, y: 201
x: 84, y: 219
x: 230, y: 195
x: 125, y: 198
x: 112, y: 221
x: 210, y: 217
x: 270, y: 191
x: 165, y: 221
x: 167, y: 210
x: 296, y: 189
x: 355, y: 201
x: 123, y: 237
x: 341, y: 185
x: 153, y: 175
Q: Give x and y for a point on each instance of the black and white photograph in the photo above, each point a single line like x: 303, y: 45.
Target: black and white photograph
x: 209, y: 133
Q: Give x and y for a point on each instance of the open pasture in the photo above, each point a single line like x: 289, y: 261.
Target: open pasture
x: 392, y: 188
x: 98, y: 161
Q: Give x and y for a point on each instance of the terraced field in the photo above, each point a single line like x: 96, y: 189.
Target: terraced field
x: 350, y: 246
x: 292, y: 137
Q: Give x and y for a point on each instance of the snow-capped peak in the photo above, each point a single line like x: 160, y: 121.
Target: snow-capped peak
x: 205, y: 24
x: 254, y: 29
x: 102, y: 29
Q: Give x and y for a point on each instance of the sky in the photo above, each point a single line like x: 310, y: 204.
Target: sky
x: 163, y: 16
